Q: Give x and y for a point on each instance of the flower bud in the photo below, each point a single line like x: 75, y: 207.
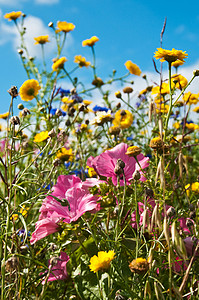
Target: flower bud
x: 25, y: 112
x: 58, y: 113
x: 196, y: 72
x: 98, y: 82
x: 118, y: 95
x: 15, y: 120
x: 13, y: 91
x: 133, y: 151
x: 136, y: 175
x: 50, y: 24
x: 20, y: 106
x: 127, y: 90
x: 20, y: 51
x: 119, y: 167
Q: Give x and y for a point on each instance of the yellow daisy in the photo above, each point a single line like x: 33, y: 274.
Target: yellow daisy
x: 40, y: 137
x: 81, y: 61
x: 13, y: 15
x: 4, y: 116
x: 59, y: 63
x: 178, y: 81
x: 170, y: 55
x: 163, y: 89
x: 132, y: 68
x: 123, y: 118
x: 29, y: 89
x: 65, y: 26
x: 101, y: 261
x: 42, y: 39
x: 65, y: 154
x: 90, y: 42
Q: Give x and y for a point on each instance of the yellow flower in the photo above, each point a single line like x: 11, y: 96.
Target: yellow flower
x: 87, y: 102
x: 59, y: 63
x: 102, y: 261
x: 178, y: 81
x: 139, y: 265
x: 123, y: 118
x: 29, y: 89
x: 90, y: 42
x: 64, y: 26
x: 22, y: 211
x: 40, y: 137
x: 81, y: 61
x: 4, y: 116
x: 163, y: 89
x: 194, y: 187
x: 176, y: 125
x: 160, y: 108
x: 42, y: 39
x: 156, y: 143
x: 102, y: 117
x: 91, y: 172
x: 65, y: 154
x: 67, y: 100
x: 170, y: 55
x: 192, y: 126
x: 13, y: 15
x: 190, y: 98
x: 133, y: 151
x: 177, y: 63
x: 196, y: 109
x: 132, y: 68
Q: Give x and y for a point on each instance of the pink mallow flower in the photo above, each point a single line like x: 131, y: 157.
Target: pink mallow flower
x: 58, y: 270
x: 105, y: 163
x: 75, y: 200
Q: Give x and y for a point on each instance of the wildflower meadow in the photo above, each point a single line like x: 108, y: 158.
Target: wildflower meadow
x: 98, y: 200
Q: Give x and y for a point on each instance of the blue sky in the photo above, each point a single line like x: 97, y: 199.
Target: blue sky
x: 127, y: 29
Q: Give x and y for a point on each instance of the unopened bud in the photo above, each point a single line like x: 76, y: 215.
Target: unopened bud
x: 118, y: 95
x: 81, y: 107
x: 20, y: 106
x: 118, y: 105
x: 20, y: 51
x: 13, y: 91
x: 196, y: 72
x: 58, y: 113
x: 68, y: 123
x: 25, y: 112
x: 98, y: 82
x: 119, y: 167
x: 136, y: 175
x: 50, y: 24
x: 15, y: 120
x: 127, y: 90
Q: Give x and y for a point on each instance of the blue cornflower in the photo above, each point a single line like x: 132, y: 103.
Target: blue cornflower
x: 100, y: 108
x: 63, y: 92
x: 53, y: 111
x: 77, y: 98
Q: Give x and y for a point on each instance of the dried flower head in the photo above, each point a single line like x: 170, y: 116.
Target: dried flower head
x: 127, y: 90
x: 133, y: 151
x: 139, y: 265
x: 156, y: 143
x: 13, y: 91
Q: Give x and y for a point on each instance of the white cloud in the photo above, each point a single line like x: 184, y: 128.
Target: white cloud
x: 12, y: 2
x: 34, y: 27
x: 48, y: 2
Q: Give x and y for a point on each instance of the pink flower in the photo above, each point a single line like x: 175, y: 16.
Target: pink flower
x: 75, y: 200
x: 58, y: 271
x: 43, y: 228
x: 190, y: 245
x: 150, y: 207
x: 104, y: 164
